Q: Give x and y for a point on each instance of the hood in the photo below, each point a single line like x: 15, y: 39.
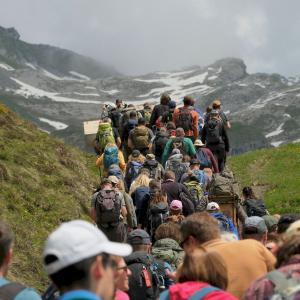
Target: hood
x: 138, y: 257
x: 167, y: 244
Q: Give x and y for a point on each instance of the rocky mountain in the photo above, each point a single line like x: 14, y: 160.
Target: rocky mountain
x: 58, y: 90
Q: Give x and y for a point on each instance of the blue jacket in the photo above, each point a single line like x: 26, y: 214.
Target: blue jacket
x: 232, y: 228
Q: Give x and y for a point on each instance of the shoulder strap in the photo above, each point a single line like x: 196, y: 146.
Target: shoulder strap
x: 165, y: 295
x: 11, y: 290
x: 199, y: 295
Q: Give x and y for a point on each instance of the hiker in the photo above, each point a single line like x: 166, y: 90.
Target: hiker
x: 140, y: 138
x: 255, y: 228
x: 148, y: 277
x: 246, y: 260
x: 215, y: 137
x: 202, y: 275
x: 206, y: 114
x: 131, y: 219
x: 171, y: 129
x: 77, y: 259
x: 217, y: 106
x: 225, y: 223
x: 11, y: 290
x: 159, y: 143
x: 168, y: 116
x: 146, y: 113
x: 175, y: 190
x: 133, y: 166
x: 130, y: 124
x: 283, y: 283
x: 160, y: 109
x: 122, y: 275
x: 155, y: 169
x: 176, y: 214
x: 180, y: 142
x: 187, y: 118
x: 252, y: 205
x: 206, y: 157
x: 111, y: 156
x: 106, y: 134
x: 141, y: 180
x: 166, y: 247
x: 109, y: 211
x: 115, y: 114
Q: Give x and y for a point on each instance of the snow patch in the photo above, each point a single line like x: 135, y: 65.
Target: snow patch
x: 242, y: 84
x: 277, y: 131
x: 212, y: 77
x: 87, y: 94
x: 51, y: 75
x: 31, y: 66
x: 6, y: 67
x: 111, y: 92
x: 296, y: 141
x: 276, y: 144
x: 260, y: 85
x: 79, y: 75
x: 90, y: 87
x: 219, y: 71
x: 287, y: 115
x: 57, y: 125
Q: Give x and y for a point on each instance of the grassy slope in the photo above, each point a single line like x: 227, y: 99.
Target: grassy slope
x: 275, y: 173
x: 43, y: 182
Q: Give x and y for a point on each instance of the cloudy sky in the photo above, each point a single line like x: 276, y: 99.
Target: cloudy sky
x: 140, y: 36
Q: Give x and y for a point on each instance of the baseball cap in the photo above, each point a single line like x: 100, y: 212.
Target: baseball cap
x: 176, y: 205
x: 198, y: 143
x: 139, y: 237
x: 150, y: 156
x: 113, y: 179
x: 255, y: 225
x: 195, y: 161
x: 136, y: 153
x: 78, y: 240
x: 212, y: 206
x: 271, y: 222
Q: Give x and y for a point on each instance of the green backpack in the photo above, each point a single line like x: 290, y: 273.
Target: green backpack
x: 196, y: 191
x: 147, y: 115
x: 104, y: 135
x: 141, y: 137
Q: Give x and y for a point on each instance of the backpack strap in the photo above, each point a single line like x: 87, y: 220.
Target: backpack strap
x: 10, y: 290
x: 199, y: 295
x: 280, y: 280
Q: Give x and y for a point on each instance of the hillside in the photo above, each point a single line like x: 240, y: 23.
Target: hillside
x: 43, y: 182
x: 274, y: 174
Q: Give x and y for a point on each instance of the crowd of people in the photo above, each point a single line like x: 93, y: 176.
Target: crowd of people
x: 156, y: 233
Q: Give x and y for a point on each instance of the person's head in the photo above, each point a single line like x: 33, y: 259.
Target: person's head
x: 248, y: 193
x: 139, y: 240
x: 197, y: 229
x: 195, y: 164
x: 141, y: 122
x: 6, y: 244
x: 214, y: 115
x: 156, y: 193
x: 208, y: 109
x: 122, y: 273
x: 180, y: 132
x: 188, y: 101
x: 106, y: 120
x: 176, y: 207
x: 202, y: 266
x: 271, y: 223
x: 288, y: 247
x: 186, y: 159
x: 213, y: 207
x: 216, y: 104
x: 169, y: 176
x: 77, y: 256
x: 198, y: 144
x: 162, y: 130
x: 132, y: 114
x: 168, y: 230
x: 172, y: 105
x: 285, y: 221
x: 119, y: 103
x: 106, y: 184
x: 171, y: 126
x: 255, y: 228
x: 150, y: 156
x: 165, y: 99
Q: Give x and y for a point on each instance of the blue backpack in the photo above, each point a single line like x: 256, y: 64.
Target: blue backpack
x: 114, y: 170
x: 200, y: 175
x: 134, y: 169
x: 139, y: 195
x: 205, y: 161
x: 225, y: 223
x: 111, y: 157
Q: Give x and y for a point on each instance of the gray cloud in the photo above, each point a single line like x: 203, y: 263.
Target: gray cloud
x: 139, y: 36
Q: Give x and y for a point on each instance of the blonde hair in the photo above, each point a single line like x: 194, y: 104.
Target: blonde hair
x: 142, y: 180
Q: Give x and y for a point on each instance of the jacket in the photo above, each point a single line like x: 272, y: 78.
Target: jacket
x: 158, y: 111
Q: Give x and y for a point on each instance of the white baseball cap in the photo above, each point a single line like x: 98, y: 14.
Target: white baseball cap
x: 77, y: 240
x: 212, y: 206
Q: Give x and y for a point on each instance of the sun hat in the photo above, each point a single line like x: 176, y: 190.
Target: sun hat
x: 255, y: 225
x: 150, y: 156
x: 139, y: 237
x: 176, y: 205
x: 212, y: 206
x: 198, y: 143
x: 294, y: 227
x: 76, y: 241
x: 113, y: 179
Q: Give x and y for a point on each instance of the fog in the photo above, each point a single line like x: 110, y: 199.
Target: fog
x: 141, y: 36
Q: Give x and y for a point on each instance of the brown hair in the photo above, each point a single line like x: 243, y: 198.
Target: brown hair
x: 156, y: 193
x: 188, y: 100
x: 202, y: 226
x: 168, y: 230
x: 169, y: 175
x: 204, y: 266
x: 6, y: 241
x: 165, y: 99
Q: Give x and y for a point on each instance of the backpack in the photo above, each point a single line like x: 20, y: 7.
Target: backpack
x: 104, y: 135
x: 114, y: 170
x: 130, y: 125
x: 131, y: 215
x: 147, y: 115
x: 195, y: 190
x: 133, y: 171
x: 223, y: 222
x: 255, y: 208
x: 213, y: 132
x: 184, y: 119
x: 115, y: 117
x: 178, y: 167
x: 141, y: 137
x: 11, y: 290
x: 111, y: 157
x: 178, y: 143
x: 51, y: 293
x: 221, y: 185
x: 205, y: 161
x: 286, y: 287
x: 160, y: 142
x: 153, y: 167
x: 139, y: 195
x: 108, y: 206
x: 200, y: 175
x: 157, y: 214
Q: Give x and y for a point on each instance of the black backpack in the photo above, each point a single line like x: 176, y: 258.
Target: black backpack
x: 255, y: 207
x: 178, y: 143
x: 115, y: 117
x: 160, y: 142
x: 108, y: 207
x: 184, y: 119
x: 152, y: 166
x: 213, y: 132
x: 157, y: 214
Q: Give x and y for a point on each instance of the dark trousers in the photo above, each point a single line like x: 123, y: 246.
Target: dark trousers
x: 220, y: 155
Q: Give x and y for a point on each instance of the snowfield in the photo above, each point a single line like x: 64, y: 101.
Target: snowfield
x: 6, y: 67
x: 79, y: 75
x: 57, y: 125
x: 277, y: 131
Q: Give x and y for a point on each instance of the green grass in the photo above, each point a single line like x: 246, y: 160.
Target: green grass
x: 274, y: 173
x: 43, y: 182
